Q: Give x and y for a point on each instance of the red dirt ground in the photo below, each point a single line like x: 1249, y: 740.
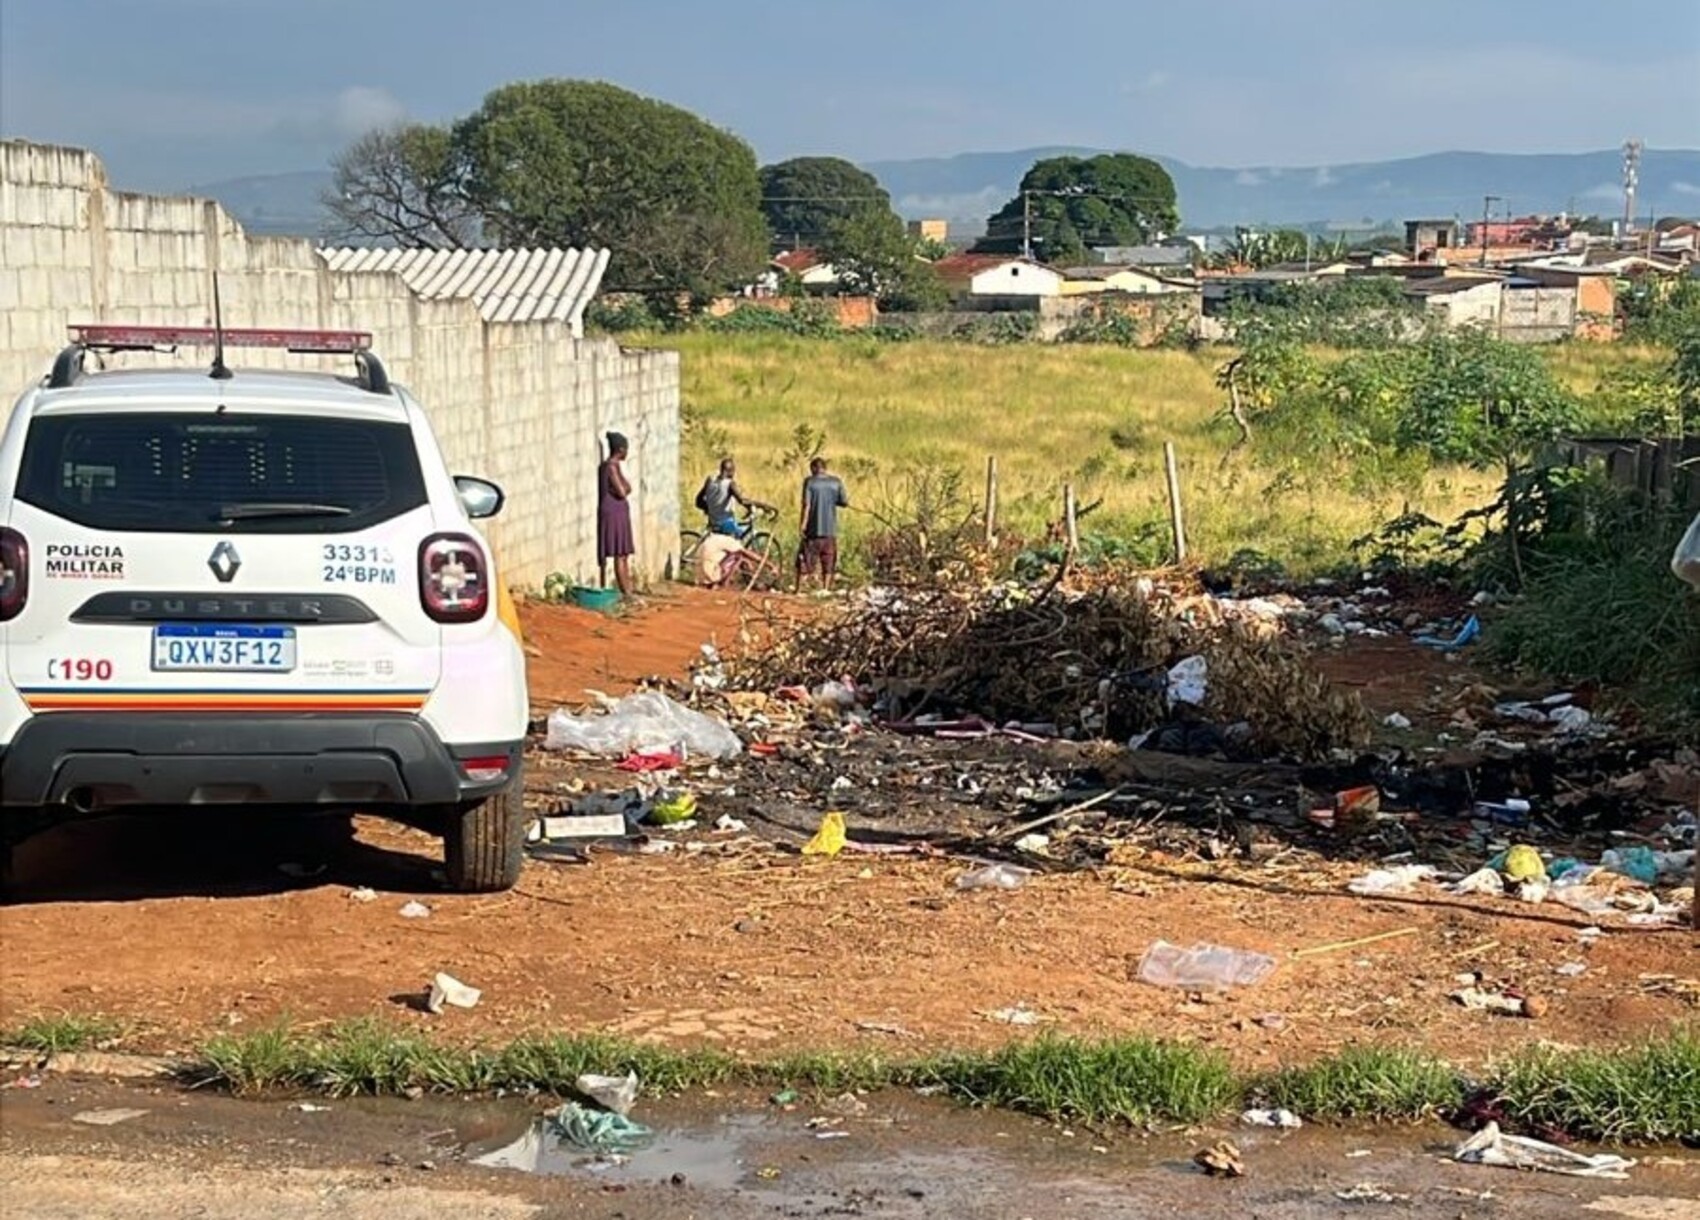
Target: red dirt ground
x: 760, y: 950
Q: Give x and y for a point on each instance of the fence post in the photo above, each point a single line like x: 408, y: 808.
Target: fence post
x: 1175, y: 522
x: 1071, y: 525
x: 991, y: 501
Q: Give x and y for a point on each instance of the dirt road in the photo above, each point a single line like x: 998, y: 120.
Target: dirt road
x: 187, y: 927
x: 901, y: 1157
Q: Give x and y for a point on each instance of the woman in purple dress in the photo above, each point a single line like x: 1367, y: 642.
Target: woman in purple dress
x: 614, y: 517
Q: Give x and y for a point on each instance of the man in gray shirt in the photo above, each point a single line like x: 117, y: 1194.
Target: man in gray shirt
x: 823, y: 496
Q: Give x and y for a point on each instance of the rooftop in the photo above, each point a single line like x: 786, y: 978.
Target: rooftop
x: 540, y: 285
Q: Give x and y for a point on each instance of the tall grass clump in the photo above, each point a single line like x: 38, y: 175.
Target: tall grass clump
x: 1638, y: 1094
x: 1366, y: 1082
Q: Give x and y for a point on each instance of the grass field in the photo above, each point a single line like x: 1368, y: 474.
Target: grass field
x: 1096, y: 416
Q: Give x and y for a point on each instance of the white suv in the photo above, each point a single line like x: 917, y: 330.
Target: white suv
x: 252, y: 589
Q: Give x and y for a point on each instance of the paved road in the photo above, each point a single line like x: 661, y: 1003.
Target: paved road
x: 203, y: 1155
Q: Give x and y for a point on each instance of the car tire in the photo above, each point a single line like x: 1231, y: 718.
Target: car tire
x: 484, y: 844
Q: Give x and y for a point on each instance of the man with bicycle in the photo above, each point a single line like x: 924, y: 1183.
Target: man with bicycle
x: 719, y: 493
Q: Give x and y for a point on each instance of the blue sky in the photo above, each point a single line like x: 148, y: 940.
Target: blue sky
x: 176, y: 92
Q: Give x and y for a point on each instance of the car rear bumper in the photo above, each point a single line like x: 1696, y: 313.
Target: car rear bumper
x: 113, y: 760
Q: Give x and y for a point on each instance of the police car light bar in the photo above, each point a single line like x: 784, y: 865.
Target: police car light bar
x: 116, y: 338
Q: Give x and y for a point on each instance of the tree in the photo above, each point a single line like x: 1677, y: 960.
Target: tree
x: 805, y: 197
x: 583, y: 163
x: 874, y: 254
x: 1114, y: 199
x: 401, y: 184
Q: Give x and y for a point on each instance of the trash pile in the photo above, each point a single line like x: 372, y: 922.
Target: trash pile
x: 1107, y: 658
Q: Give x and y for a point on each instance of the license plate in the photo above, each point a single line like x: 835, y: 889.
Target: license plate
x: 223, y: 650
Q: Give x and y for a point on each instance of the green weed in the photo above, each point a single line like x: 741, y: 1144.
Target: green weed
x: 1639, y: 1094
x: 1365, y: 1082
x: 60, y: 1032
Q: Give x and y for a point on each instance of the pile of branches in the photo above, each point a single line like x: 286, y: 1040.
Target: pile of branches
x: 1091, y: 658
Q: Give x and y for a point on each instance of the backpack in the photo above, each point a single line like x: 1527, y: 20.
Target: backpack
x: 702, y: 495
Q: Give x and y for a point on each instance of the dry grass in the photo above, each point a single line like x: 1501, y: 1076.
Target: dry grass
x: 1095, y: 415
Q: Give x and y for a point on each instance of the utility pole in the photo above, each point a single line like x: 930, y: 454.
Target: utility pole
x: 1631, y: 179
x: 1487, y: 204
x: 1027, y: 224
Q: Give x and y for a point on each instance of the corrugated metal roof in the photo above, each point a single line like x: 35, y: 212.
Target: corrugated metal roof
x: 505, y: 285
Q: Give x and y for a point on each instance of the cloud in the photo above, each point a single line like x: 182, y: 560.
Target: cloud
x: 1248, y: 177
x: 1605, y: 190
x: 1324, y: 177
x: 359, y: 109
x: 1685, y: 188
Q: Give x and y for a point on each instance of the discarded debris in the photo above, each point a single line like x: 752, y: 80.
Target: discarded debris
x: 645, y: 722
x: 1383, y: 881
x: 597, y: 1130
x: 829, y: 839
x: 414, y: 910
x: 1490, y: 1146
x: 673, y: 810
x: 1478, y: 999
x: 1203, y: 966
x: 107, y: 1118
x: 1019, y: 1014
x: 1220, y: 1160
x: 447, y: 990
x: 364, y: 893
x: 994, y: 877
x: 1370, y: 1192
x: 616, y: 1093
x: 1286, y: 1120
x: 1397, y: 720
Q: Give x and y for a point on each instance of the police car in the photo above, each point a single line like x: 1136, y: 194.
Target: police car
x: 261, y: 590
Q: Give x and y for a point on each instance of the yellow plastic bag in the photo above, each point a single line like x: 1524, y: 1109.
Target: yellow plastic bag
x: 829, y: 839
x: 1523, y: 863
x: 673, y: 810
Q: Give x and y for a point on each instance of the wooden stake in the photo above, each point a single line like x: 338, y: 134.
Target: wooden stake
x: 1175, y: 522
x: 991, y: 501
x: 1070, y: 520
x: 1353, y: 944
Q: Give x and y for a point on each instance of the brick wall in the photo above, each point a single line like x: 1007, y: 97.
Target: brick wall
x: 524, y: 404
x: 852, y: 313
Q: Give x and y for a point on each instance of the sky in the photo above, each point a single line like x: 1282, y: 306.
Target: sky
x: 175, y: 93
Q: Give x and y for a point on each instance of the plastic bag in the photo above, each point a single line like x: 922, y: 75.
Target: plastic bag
x: 1189, y: 681
x: 616, y: 1093
x: 994, y: 877
x: 1686, y: 562
x: 1166, y: 965
x: 647, y: 722
x: 829, y: 839
x: 1398, y: 880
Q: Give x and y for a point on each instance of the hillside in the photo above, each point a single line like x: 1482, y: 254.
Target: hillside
x: 968, y: 186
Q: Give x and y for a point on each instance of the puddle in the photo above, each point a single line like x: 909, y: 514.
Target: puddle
x: 717, y: 1155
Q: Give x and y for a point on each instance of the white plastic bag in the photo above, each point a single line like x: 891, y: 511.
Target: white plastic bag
x: 616, y: 1093
x: 1166, y: 965
x: 647, y: 722
x: 1686, y: 562
x: 1189, y: 681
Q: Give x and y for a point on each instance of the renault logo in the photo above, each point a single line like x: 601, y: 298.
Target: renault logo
x: 224, y: 562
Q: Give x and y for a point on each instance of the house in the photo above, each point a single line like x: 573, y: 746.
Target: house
x: 1135, y: 281
x: 1166, y: 259
x: 1425, y: 238
x: 1594, y: 292
x: 807, y: 265
x: 988, y: 279
x: 1458, y: 300
x: 930, y: 230
x: 1222, y: 291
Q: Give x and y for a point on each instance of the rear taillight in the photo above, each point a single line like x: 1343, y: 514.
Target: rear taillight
x: 454, y: 579
x: 485, y: 770
x: 14, y: 574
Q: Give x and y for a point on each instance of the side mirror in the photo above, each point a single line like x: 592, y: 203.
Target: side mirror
x: 480, y: 497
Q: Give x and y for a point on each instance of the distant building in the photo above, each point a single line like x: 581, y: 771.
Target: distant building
x: 985, y: 278
x: 807, y: 265
x: 1425, y: 238
x: 1176, y: 259
x: 1136, y: 281
x: 930, y: 230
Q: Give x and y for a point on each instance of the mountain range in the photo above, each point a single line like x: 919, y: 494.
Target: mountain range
x: 1359, y: 196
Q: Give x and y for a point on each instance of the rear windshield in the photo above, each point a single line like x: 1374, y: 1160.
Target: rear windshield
x: 226, y: 473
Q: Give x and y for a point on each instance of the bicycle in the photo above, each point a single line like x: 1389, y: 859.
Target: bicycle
x: 763, y: 555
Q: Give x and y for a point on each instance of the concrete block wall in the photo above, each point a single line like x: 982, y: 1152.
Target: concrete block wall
x: 524, y: 404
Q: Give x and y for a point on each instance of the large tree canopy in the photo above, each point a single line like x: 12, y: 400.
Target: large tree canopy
x: 805, y: 198
x: 583, y: 163
x: 1114, y: 199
